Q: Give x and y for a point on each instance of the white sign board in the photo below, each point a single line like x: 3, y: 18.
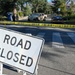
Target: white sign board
x: 19, y: 50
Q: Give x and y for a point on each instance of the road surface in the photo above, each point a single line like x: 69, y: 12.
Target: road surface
x: 58, y: 55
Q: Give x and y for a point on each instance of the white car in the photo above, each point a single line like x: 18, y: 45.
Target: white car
x: 44, y: 15
x: 37, y: 17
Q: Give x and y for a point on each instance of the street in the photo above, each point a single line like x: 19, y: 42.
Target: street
x: 58, y: 55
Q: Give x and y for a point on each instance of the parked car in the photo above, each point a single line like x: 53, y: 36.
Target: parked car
x: 57, y: 18
x: 37, y: 17
x: 44, y: 15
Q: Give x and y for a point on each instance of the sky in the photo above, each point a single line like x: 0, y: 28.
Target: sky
x: 49, y: 0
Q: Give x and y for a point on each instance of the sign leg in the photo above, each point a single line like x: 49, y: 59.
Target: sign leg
x: 1, y: 69
x: 24, y: 73
x: 19, y: 70
x: 36, y: 71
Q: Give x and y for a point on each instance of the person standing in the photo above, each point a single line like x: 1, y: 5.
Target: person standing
x: 15, y: 16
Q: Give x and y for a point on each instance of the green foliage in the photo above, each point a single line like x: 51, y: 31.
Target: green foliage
x: 69, y: 13
x: 48, y: 9
x: 27, y: 10
x: 39, y: 5
x: 6, y: 6
x: 3, y: 18
x: 56, y: 5
x: 71, y: 8
x: 69, y: 17
x: 35, y: 6
x: 63, y: 9
x: 20, y: 13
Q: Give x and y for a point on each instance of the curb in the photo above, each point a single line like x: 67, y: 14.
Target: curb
x: 38, y: 24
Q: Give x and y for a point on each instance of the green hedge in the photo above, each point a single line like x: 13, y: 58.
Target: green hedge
x: 72, y: 17
x: 20, y: 14
x: 3, y: 18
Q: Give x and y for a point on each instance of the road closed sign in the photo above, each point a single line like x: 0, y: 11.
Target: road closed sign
x: 19, y: 50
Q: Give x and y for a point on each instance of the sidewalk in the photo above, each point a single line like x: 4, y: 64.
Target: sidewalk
x: 25, y: 18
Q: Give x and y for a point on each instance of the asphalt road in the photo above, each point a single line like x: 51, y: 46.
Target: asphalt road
x: 58, y: 55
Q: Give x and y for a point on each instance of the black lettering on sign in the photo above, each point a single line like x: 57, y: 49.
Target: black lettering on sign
x: 6, y: 39
x: 16, y: 57
x: 27, y: 45
x: 13, y: 40
x: 2, y: 51
x: 22, y: 59
x: 20, y: 43
x: 29, y: 62
x: 9, y: 55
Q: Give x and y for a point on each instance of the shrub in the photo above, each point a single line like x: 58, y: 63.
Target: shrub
x: 20, y: 13
x: 27, y: 10
x: 72, y: 17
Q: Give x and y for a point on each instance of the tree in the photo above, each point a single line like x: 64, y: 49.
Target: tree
x: 39, y: 5
x: 46, y: 8
x: 59, y: 4
x: 27, y: 10
x: 56, y: 5
x: 63, y: 7
x: 10, y: 5
x: 5, y: 5
x: 72, y: 8
x: 22, y: 2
